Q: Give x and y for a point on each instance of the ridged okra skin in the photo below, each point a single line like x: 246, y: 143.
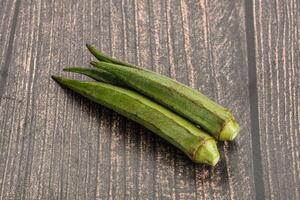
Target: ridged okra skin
x: 96, y: 74
x: 189, y: 103
x: 196, y: 144
x: 215, y: 119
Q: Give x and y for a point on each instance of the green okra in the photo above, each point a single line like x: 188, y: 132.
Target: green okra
x: 96, y: 74
x: 191, y: 104
x: 105, y: 58
x: 196, y: 144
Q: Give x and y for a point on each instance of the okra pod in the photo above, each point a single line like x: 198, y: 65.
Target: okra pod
x: 196, y: 144
x: 189, y: 103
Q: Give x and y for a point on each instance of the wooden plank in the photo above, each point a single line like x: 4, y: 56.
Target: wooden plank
x: 215, y: 52
x: 55, y: 144
x: 9, y: 11
x: 117, y: 176
x: 146, y: 172
x: 132, y: 134
x: 48, y: 153
x: 8, y: 19
x: 277, y: 50
x: 8, y: 16
x: 165, y: 154
x: 184, y: 169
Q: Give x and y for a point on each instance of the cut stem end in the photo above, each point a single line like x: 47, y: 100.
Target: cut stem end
x: 208, y: 153
x: 230, y: 131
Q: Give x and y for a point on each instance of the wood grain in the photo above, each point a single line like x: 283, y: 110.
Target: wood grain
x: 277, y: 50
x: 228, y: 76
x: 55, y: 144
x: 8, y: 17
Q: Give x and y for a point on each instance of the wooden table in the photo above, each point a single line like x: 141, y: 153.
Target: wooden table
x: 57, y: 145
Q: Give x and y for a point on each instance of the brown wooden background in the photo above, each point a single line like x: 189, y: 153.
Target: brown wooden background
x: 57, y: 145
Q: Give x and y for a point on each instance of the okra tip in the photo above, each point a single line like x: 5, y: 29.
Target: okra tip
x: 89, y: 46
x: 98, y: 54
x: 56, y: 78
x: 79, y: 70
x: 207, y: 153
x: 61, y: 80
x: 230, y: 131
x: 70, y: 69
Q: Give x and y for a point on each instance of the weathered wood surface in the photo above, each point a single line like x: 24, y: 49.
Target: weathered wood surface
x: 277, y: 26
x: 57, y: 145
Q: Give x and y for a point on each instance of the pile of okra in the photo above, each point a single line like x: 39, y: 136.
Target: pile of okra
x: 179, y: 114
